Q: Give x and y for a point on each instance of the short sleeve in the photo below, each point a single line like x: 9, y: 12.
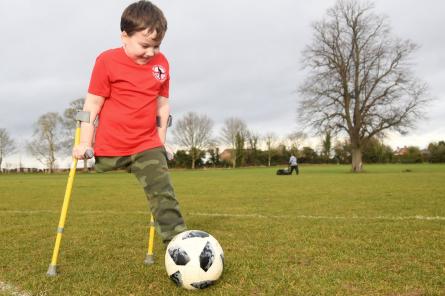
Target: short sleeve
x: 165, y: 87
x: 100, y: 82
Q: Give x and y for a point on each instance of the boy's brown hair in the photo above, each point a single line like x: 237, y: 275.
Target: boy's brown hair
x: 143, y: 15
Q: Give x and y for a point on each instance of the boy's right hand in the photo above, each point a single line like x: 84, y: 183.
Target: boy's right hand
x: 169, y: 152
x: 82, y: 151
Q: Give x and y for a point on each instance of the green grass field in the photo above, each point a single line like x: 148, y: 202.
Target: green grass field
x: 325, y: 232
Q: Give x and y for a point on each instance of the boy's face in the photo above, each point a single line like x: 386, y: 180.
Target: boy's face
x: 141, y: 46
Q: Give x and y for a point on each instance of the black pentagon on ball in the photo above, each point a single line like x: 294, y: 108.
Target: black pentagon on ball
x: 195, y: 233
x: 177, y: 278
x: 202, y: 285
x: 179, y: 256
x: 206, y: 257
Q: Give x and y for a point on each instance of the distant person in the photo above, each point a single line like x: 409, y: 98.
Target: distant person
x: 293, y: 165
x: 128, y: 92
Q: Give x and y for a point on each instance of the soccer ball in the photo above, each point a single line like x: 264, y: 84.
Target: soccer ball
x: 194, y: 259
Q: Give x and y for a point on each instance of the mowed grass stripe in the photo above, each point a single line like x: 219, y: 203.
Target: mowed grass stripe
x: 417, y: 217
x: 281, y: 234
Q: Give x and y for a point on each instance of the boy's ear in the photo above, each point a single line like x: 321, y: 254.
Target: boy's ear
x: 124, y: 36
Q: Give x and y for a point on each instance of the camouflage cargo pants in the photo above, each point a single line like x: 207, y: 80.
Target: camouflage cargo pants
x: 150, y: 168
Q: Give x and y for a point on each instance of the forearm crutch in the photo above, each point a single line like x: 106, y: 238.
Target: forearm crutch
x: 149, y: 258
x: 81, y: 116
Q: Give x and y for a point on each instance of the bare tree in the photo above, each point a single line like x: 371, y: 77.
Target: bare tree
x: 69, y: 124
x: 7, y: 145
x: 69, y: 116
x: 296, y: 140
x: 233, y: 127
x: 359, y: 81
x: 253, y: 139
x: 194, y: 132
x: 46, y: 140
x: 269, y: 139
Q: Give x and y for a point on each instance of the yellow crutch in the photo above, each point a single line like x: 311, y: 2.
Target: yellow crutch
x: 149, y: 258
x: 81, y: 116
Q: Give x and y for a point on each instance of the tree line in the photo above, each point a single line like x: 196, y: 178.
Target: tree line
x: 198, y: 147
x: 247, y: 148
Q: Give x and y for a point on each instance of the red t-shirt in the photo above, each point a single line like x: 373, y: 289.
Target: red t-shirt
x: 127, y: 120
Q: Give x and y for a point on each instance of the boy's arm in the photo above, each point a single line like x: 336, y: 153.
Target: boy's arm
x: 93, y: 105
x: 163, y: 114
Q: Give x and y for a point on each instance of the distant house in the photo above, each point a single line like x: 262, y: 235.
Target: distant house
x: 226, y: 155
x: 401, y: 151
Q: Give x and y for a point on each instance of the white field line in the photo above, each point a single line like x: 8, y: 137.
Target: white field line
x: 10, y: 289
x: 417, y: 217
x: 259, y: 216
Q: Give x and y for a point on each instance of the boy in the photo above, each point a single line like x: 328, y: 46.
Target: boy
x: 128, y: 90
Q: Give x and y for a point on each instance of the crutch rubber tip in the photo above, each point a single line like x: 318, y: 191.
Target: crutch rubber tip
x: 52, y: 270
x: 149, y: 259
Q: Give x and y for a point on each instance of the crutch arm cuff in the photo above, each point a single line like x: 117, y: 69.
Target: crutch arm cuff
x: 83, y: 116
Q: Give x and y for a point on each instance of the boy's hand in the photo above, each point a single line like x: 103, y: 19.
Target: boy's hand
x: 82, y: 151
x: 169, y: 151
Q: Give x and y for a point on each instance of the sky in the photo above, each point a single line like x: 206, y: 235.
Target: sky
x: 228, y: 59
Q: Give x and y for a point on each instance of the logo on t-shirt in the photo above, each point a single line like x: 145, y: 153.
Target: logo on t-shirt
x: 159, y: 72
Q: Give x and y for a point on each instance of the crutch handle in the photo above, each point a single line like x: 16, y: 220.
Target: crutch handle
x: 89, y: 153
